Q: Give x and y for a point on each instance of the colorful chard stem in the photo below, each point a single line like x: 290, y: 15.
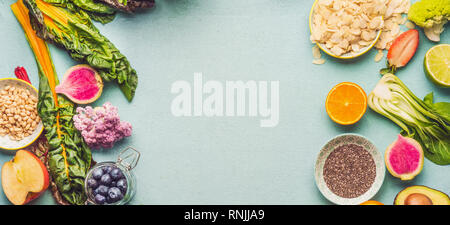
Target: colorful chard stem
x: 76, y: 33
x: 22, y: 74
x: 69, y: 158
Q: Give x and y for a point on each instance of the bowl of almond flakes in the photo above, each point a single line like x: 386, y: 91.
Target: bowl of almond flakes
x: 346, y: 29
x: 20, y: 124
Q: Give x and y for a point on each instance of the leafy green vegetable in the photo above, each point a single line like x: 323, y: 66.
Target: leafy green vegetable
x: 96, y: 10
x: 425, y: 121
x: 69, y: 158
x: 88, y: 5
x: 82, y: 40
x: 123, y: 2
x: 102, y: 10
x: 102, y: 18
x: 129, y: 6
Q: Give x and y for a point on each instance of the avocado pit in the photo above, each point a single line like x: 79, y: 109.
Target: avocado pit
x: 418, y: 199
x: 421, y: 195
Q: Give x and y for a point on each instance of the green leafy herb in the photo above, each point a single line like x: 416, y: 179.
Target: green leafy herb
x: 425, y: 121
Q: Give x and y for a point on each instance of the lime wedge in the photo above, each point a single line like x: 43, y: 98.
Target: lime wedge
x: 437, y: 64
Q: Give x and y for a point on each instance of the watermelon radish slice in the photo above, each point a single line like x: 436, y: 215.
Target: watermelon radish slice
x: 402, y: 50
x: 404, y: 158
x: 81, y: 84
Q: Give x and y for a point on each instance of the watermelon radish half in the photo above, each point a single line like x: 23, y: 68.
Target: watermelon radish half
x: 404, y: 158
x: 81, y: 84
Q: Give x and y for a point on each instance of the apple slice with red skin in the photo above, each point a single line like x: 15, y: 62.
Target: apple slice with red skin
x: 24, y: 178
x: 402, y: 50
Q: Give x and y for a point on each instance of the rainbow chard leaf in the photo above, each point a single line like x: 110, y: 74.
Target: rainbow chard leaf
x: 103, y: 10
x: 69, y: 158
x: 129, y: 6
x: 81, y: 39
x: 96, y: 10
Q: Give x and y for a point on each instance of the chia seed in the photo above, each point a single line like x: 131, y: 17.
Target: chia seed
x: 349, y: 171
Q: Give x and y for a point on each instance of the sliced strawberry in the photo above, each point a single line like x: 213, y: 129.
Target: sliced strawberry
x: 403, y: 48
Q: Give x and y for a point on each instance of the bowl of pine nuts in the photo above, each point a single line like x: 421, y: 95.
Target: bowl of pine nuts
x: 20, y: 124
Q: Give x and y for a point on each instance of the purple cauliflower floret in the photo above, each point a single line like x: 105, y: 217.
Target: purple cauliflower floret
x: 101, y: 126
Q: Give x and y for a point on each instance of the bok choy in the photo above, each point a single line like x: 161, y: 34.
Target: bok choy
x: 82, y: 40
x: 69, y: 158
x: 424, y: 121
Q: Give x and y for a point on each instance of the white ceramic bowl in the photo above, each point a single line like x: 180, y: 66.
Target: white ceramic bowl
x: 330, y: 147
x: 5, y: 142
x: 349, y: 55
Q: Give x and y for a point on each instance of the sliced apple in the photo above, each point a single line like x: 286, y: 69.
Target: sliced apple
x: 24, y: 178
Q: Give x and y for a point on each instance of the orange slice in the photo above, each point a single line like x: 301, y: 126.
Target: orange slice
x: 372, y: 202
x: 346, y: 103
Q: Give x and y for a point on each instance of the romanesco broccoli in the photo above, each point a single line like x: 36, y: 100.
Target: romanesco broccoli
x: 432, y: 15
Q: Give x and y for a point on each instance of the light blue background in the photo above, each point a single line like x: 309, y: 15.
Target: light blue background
x: 230, y: 160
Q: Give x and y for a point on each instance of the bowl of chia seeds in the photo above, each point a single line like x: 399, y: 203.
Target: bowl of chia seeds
x: 349, y: 170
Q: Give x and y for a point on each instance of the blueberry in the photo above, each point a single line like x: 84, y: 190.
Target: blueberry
x: 100, y: 199
x: 92, y: 183
x: 101, y: 190
x: 97, y: 173
x: 116, y: 174
x: 107, y: 169
x: 106, y: 179
x: 113, y: 184
x: 109, y: 200
x: 122, y: 185
x: 114, y: 194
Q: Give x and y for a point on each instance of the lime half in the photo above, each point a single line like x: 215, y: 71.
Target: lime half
x: 437, y: 64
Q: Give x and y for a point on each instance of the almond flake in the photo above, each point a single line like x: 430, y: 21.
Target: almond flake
x: 379, y: 56
x: 316, y: 52
x: 318, y: 61
x: 410, y: 25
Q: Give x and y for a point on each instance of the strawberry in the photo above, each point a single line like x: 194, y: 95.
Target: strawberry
x: 402, y: 50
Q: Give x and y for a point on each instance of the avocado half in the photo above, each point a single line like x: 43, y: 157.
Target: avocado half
x: 421, y: 195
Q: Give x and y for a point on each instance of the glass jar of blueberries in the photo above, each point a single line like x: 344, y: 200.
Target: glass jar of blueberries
x: 113, y: 183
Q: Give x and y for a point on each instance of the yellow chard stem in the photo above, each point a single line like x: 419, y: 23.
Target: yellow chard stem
x: 43, y: 58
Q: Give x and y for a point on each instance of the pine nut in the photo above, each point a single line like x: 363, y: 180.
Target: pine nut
x: 18, y: 112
